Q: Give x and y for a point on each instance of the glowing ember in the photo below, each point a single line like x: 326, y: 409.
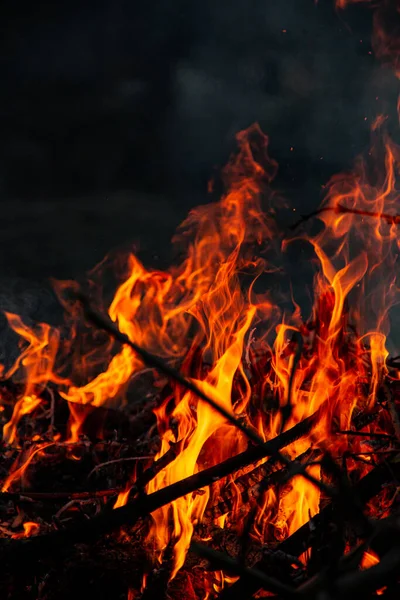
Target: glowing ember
x: 30, y: 528
x: 369, y: 560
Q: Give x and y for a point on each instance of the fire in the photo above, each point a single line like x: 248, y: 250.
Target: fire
x: 211, y: 315
x: 37, y: 360
x: 30, y: 528
x: 18, y: 472
x: 224, y: 317
x: 201, y: 313
x: 370, y: 559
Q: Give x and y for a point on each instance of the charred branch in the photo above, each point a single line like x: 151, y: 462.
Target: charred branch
x: 13, y: 551
x: 368, y: 487
x: 254, y: 577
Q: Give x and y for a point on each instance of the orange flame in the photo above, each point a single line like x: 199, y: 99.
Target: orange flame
x: 30, y: 528
x: 370, y: 559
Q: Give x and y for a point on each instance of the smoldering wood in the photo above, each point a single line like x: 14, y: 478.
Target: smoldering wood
x: 252, y: 485
x: 219, y: 560
x: 368, y: 487
x: 14, y: 551
x: 86, y: 530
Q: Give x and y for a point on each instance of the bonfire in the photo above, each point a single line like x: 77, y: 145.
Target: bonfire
x: 203, y: 435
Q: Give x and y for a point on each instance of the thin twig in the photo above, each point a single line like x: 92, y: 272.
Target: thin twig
x: 383, y: 436
x: 116, y: 461
x: 250, y: 340
x: 339, y: 209
x: 219, y: 560
x: 55, y: 496
x: 368, y: 487
x: 12, y: 552
x: 286, y: 410
x: 69, y: 505
x: 107, y: 325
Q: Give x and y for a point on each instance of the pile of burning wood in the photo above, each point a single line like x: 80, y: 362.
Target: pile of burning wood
x: 71, y: 525
x: 198, y: 442
x: 192, y: 439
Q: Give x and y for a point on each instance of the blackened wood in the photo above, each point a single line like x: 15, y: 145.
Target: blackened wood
x: 251, y: 485
x: 368, y: 487
x: 103, y: 322
x: 157, y: 466
x: 219, y: 560
x: 12, y: 551
x: 359, y: 584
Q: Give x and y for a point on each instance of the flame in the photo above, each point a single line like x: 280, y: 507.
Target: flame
x: 122, y: 498
x: 37, y: 360
x: 370, y: 559
x: 224, y: 317
x: 355, y: 283
x: 24, y: 406
x: 30, y: 528
x: 18, y: 472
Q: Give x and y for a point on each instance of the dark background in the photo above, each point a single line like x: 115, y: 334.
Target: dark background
x: 114, y: 114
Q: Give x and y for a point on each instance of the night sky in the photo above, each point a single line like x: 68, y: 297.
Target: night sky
x: 115, y: 114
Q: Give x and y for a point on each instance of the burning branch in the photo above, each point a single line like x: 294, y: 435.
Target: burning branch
x: 254, y: 577
x: 254, y: 484
x: 368, y: 487
x: 330, y: 378
x: 154, y: 361
x: 107, y: 325
x: 342, y: 210
x: 11, y: 552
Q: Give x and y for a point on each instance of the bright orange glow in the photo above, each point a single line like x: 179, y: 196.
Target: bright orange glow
x: 37, y: 361
x: 122, y: 498
x: 30, y: 529
x: 24, y: 406
x: 17, y: 472
x: 369, y: 560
